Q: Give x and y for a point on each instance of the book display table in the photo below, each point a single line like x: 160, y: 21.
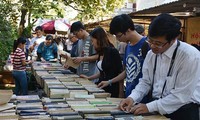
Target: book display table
x: 69, y: 97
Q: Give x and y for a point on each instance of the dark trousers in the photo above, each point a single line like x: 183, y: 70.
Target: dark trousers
x: 187, y: 112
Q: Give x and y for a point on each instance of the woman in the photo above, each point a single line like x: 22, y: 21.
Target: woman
x: 19, y: 67
x: 108, y: 63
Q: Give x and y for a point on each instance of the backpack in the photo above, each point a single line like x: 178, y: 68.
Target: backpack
x: 145, y: 48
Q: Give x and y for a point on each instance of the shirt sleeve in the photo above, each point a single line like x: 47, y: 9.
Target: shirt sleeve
x: 179, y: 87
x: 185, y: 81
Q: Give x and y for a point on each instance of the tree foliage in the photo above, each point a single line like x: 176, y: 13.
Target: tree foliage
x: 28, y: 11
x: 8, y: 31
x: 94, y: 9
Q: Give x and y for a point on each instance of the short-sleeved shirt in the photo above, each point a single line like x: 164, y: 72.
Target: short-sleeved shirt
x: 38, y: 41
x: 17, y: 58
x: 85, y: 48
x: 133, y: 61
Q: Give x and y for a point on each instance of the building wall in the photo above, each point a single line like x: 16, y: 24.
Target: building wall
x: 193, y: 31
x: 145, y: 4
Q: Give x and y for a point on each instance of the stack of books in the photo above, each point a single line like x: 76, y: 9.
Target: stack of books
x: 30, y: 107
x: 8, y: 114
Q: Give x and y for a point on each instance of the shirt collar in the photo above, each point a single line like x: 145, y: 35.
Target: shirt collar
x: 169, y: 52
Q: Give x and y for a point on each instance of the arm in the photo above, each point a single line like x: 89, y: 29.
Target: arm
x: 186, y: 80
x: 118, y: 78
x: 23, y: 60
x: 186, y: 75
x: 91, y: 77
x: 24, y: 63
x: 39, y: 52
x: 95, y: 76
x: 85, y: 59
x: 32, y: 45
x: 55, y: 51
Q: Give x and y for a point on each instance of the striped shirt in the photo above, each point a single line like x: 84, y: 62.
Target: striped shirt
x: 17, y: 58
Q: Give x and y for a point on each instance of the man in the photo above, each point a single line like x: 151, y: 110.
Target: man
x: 140, y: 29
x: 85, y: 49
x: 36, y: 41
x: 170, y: 74
x: 123, y: 28
x: 73, y: 51
x: 48, y: 50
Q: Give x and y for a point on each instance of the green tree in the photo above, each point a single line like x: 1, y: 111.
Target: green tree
x: 8, y: 31
x: 94, y: 9
x: 28, y: 11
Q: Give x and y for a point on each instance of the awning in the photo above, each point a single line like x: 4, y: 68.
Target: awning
x: 179, y: 7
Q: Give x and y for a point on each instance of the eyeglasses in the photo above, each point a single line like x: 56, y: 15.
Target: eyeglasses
x: 119, y: 36
x: 156, y: 43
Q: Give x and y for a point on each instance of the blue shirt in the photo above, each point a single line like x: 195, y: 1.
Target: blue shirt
x: 47, y: 52
x: 133, y: 61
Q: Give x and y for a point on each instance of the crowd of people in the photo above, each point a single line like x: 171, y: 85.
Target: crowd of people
x: 161, y: 72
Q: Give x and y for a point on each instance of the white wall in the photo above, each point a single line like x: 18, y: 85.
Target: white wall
x: 145, y: 4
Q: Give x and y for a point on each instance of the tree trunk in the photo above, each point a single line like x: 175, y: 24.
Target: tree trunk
x: 22, y: 21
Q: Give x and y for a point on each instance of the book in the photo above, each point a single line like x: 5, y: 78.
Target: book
x: 5, y: 96
x: 69, y: 62
x: 101, y: 95
x: 6, y: 106
x: 83, y: 96
x: 35, y: 117
x: 68, y: 117
x: 46, y: 100
x: 94, y: 90
x: 75, y: 87
x: 58, y: 93
x: 28, y: 97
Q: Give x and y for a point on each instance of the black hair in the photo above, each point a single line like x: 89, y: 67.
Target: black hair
x: 76, y: 26
x: 139, y: 28
x: 165, y: 25
x: 102, y: 39
x: 121, y: 23
x: 38, y: 28
x: 18, y: 41
x: 49, y: 37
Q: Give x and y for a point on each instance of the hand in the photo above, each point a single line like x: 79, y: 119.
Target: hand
x: 64, y: 56
x: 126, y: 104
x: 77, y: 60
x: 139, y: 109
x: 103, y: 84
x: 55, y: 59
x: 66, y: 66
x: 84, y: 76
x: 43, y: 60
x: 34, y: 44
x: 30, y: 62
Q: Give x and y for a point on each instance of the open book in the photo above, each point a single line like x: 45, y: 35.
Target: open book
x: 69, y: 62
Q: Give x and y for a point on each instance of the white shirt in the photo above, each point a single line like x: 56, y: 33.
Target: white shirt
x: 185, y: 75
x: 38, y: 41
